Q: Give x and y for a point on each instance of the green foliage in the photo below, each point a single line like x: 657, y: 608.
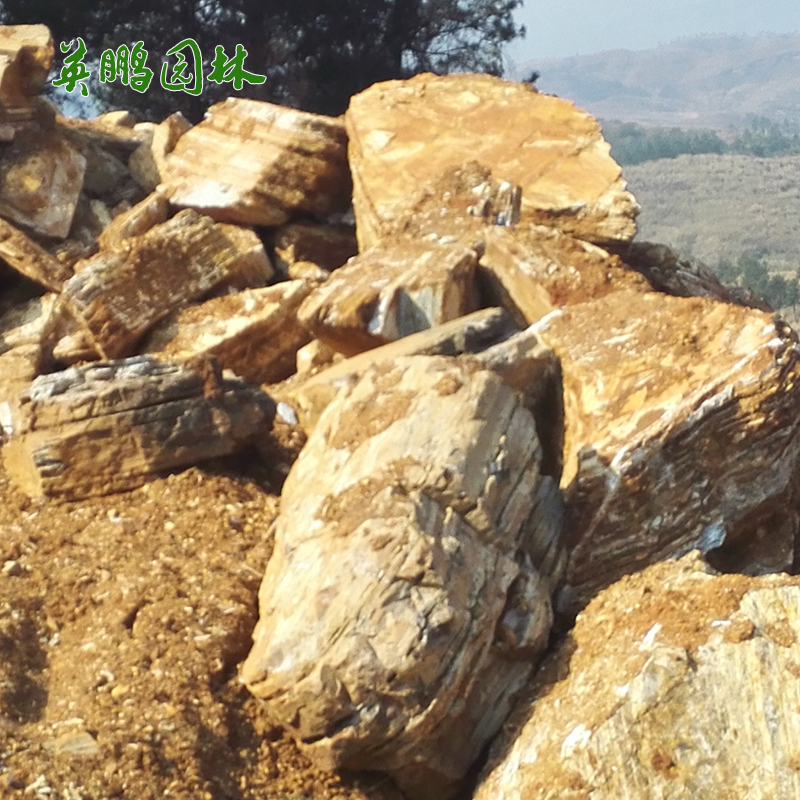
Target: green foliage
x: 751, y: 271
x: 314, y: 53
x: 634, y: 144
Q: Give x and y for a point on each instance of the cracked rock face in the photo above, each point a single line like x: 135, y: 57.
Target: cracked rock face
x: 403, y: 133
x: 675, y: 683
x: 400, y: 612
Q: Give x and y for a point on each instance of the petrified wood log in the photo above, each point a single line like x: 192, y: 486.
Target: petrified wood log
x: 28, y: 258
x: 118, y: 295
x: 681, y: 432
x: 108, y: 427
x: 419, y: 484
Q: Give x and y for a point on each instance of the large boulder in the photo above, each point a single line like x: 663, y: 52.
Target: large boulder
x: 403, y: 134
x: 681, y: 433
x: 400, y: 611
x: 674, y: 683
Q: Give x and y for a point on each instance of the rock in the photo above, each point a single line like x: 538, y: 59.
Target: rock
x: 675, y: 683
x: 327, y: 246
x: 109, y: 427
x: 41, y: 176
x: 26, y: 54
x: 314, y: 355
x: 678, y: 435
x: 146, y: 214
x: 668, y: 272
x: 390, y: 292
x: 234, y: 165
x: 21, y: 253
x: 532, y: 270
x: 120, y: 294
x: 404, y: 133
x: 255, y: 332
x: 148, y: 162
x: 418, y: 485
x: 122, y: 118
x: 468, y: 334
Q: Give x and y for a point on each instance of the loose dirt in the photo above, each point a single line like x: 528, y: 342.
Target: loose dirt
x: 122, y: 623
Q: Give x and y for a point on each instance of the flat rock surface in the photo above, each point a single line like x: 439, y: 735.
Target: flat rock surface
x: 235, y: 165
x: 405, y: 133
x: 678, y: 434
x: 420, y: 483
x: 674, y: 683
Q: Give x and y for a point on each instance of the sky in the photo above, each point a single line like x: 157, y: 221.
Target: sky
x: 558, y: 28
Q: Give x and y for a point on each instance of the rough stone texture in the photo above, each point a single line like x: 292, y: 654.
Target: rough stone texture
x: 41, y: 175
x: 109, y: 427
x: 148, y: 162
x: 327, y: 246
x: 468, y: 334
x: 533, y: 270
x: 28, y: 258
x: 668, y: 272
x: 390, y: 292
x: 255, y: 332
x: 26, y: 54
x: 681, y: 433
x: 674, y: 684
x: 148, y: 213
x: 120, y: 294
x: 254, y: 163
x: 403, y: 133
x: 418, y: 484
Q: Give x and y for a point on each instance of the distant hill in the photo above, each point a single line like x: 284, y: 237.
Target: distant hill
x: 708, y: 81
x: 721, y: 206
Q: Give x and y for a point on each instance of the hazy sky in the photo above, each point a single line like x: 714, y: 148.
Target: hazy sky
x: 569, y: 27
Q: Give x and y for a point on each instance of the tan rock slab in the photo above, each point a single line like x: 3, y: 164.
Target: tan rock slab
x: 139, y: 219
x: 403, y: 133
x: 120, y: 294
x: 255, y: 332
x: 327, y: 246
x: 390, y: 292
x: 532, y: 270
x: 41, y: 175
x: 148, y: 162
x: 254, y: 163
x: 21, y: 253
x: 680, y: 434
x: 418, y: 484
x: 674, y: 683
x: 26, y: 55
x: 108, y: 427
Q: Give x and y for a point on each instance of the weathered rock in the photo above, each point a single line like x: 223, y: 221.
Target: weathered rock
x: 673, y: 684
x: 120, y: 294
x: 403, y: 133
x: 669, y: 272
x: 469, y: 334
x: 26, y: 54
x: 391, y: 292
x: 41, y: 176
x: 148, y: 162
x: 25, y: 256
x: 148, y: 213
x: 680, y: 434
x: 532, y: 270
x: 254, y: 163
x: 109, y: 427
x: 314, y: 355
x: 327, y: 246
x: 255, y: 332
x: 418, y: 484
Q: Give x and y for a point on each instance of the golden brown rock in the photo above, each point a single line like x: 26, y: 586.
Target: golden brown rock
x: 675, y: 683
x: 418, y: 483
x: 255, y: 333
x: 254, y: 163
x: 120, y: 294
x: 29, y: 259
x: 390, y: 292
x: 404, y: 133
x: 26, y: 54
x: 148, y: 213
x: 327, y: 246
x: 679, y: 435
x: 148, y: 162
x: 109, y: 427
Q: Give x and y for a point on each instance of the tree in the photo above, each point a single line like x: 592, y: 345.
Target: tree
x: 314, y: 53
